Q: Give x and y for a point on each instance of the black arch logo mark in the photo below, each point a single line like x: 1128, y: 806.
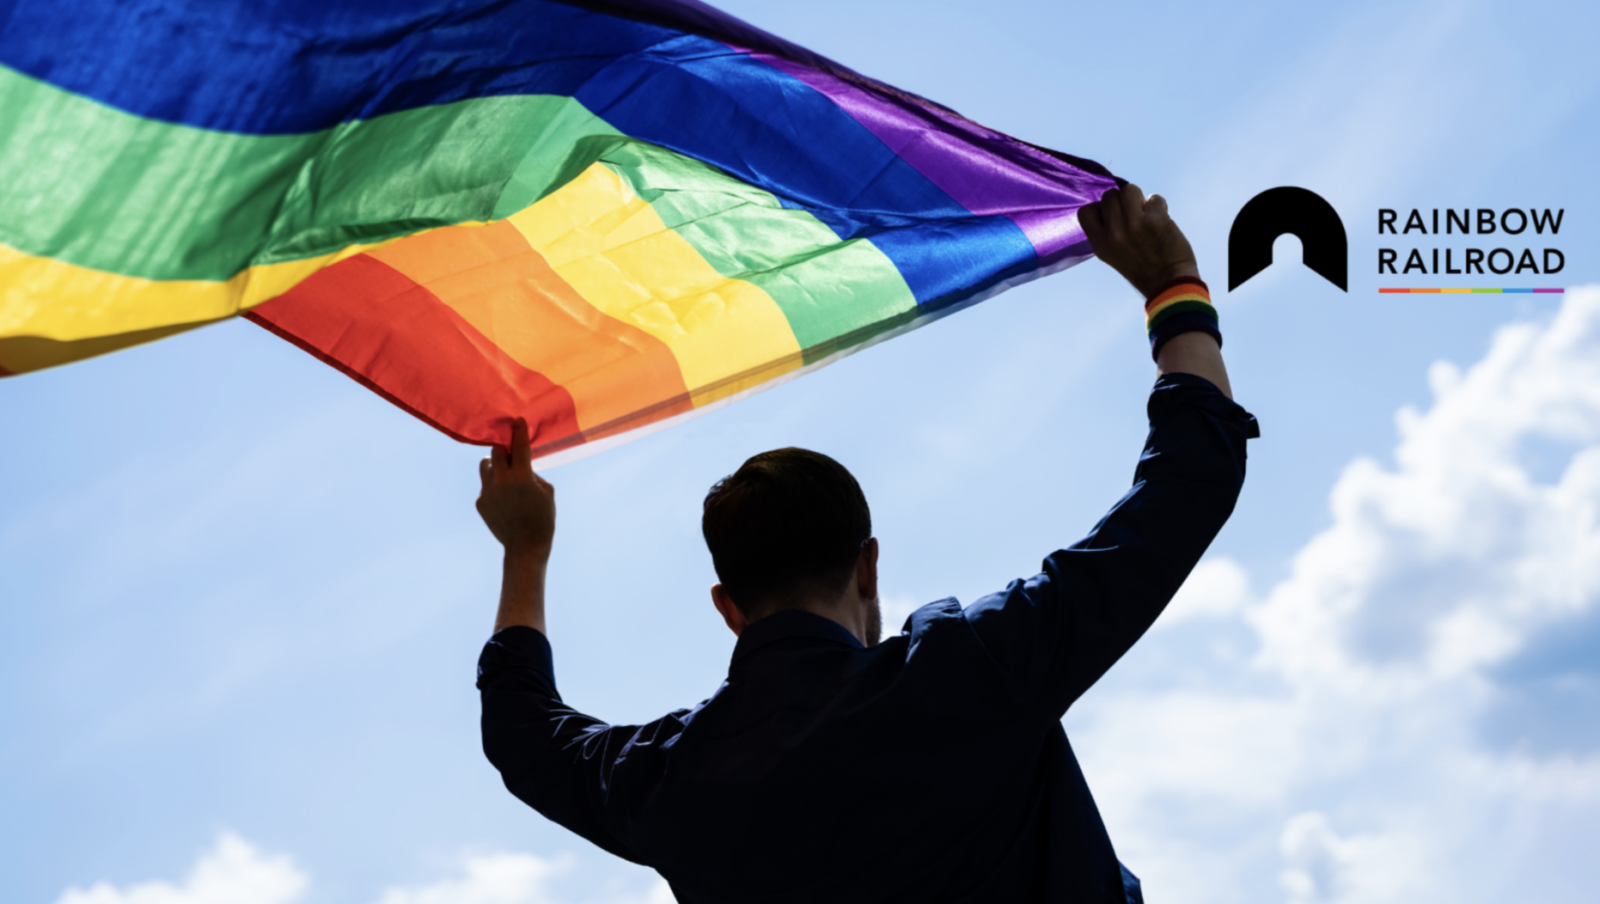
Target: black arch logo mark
x: 1300, y: 212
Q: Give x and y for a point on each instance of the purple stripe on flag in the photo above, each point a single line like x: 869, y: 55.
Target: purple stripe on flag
x: 987, y: 172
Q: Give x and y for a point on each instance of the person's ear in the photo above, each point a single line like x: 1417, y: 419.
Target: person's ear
x: 730, y: 613
x: 867, y: 570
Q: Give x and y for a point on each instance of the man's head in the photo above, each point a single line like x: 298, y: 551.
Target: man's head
x: 789, y: 529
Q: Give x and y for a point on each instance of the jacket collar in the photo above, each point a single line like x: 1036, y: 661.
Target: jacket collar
x: 790, y: 623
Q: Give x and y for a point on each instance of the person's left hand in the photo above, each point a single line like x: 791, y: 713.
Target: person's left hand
x: 517, y: 505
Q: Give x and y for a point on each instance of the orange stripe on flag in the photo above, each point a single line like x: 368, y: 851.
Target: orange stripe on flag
x: 494, y: 279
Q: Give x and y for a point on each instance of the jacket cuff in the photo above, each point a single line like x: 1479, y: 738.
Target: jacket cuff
x: 1174, y: 392
x: 517, y: 647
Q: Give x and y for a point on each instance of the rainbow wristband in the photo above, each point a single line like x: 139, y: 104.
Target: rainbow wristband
x: 1182, y: 305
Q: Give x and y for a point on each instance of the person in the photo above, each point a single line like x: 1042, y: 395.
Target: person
x: 830, y: 767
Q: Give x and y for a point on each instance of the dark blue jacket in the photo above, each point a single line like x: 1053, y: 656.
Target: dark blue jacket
x: 930, y: 768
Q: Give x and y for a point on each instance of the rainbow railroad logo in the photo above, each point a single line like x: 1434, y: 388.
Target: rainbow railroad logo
x: 1291, y: 210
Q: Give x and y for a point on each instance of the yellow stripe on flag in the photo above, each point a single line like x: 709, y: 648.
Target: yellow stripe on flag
x: 53, y: 312
x: 610, y: 245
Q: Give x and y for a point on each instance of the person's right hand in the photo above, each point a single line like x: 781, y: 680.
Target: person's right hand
x: 517, y: 505
x: 1137, y: 238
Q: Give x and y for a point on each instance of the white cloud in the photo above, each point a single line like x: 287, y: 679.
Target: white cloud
x: 1321, y: 865
x: 513, y: 878
x: 1217, y: 588
x: 233, y: 872
x: 490, y: 879
x: 1363, y: 754
x: 1501, y: 553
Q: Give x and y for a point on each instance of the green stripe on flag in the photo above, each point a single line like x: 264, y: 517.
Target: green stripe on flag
x: 93, y: 186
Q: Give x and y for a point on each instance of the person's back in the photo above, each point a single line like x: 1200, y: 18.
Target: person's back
x: 830, y: 767
x: 825, y: 771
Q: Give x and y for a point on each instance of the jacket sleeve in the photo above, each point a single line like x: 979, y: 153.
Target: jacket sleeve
x: 1054, y: 634
x: 553, y: 758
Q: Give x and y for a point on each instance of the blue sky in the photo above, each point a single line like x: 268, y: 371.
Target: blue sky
x: 243, y: 597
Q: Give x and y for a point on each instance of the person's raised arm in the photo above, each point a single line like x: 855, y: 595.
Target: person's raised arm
x: 1053, y: 635
x: 519, y: 508
x: 552, y: 757
x: 1137, y: 238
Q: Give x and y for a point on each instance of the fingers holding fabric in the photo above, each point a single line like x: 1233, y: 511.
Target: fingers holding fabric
x: 1136, y: 236
x: 517, y: 505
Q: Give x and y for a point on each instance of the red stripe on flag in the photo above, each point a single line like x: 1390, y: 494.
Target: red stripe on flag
x: 399, y: 340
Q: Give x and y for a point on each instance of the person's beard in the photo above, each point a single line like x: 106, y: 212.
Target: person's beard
x: 874, y: 623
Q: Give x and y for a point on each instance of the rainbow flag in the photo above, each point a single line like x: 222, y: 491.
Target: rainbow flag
x: 600, y: 216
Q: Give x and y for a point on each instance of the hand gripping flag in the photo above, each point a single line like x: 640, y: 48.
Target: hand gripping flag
x: 600, y: 216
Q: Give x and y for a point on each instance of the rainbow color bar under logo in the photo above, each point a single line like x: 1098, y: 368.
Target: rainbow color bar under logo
x: 1475, y: 291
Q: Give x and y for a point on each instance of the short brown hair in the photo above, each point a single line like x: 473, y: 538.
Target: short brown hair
x: 788, y: 524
